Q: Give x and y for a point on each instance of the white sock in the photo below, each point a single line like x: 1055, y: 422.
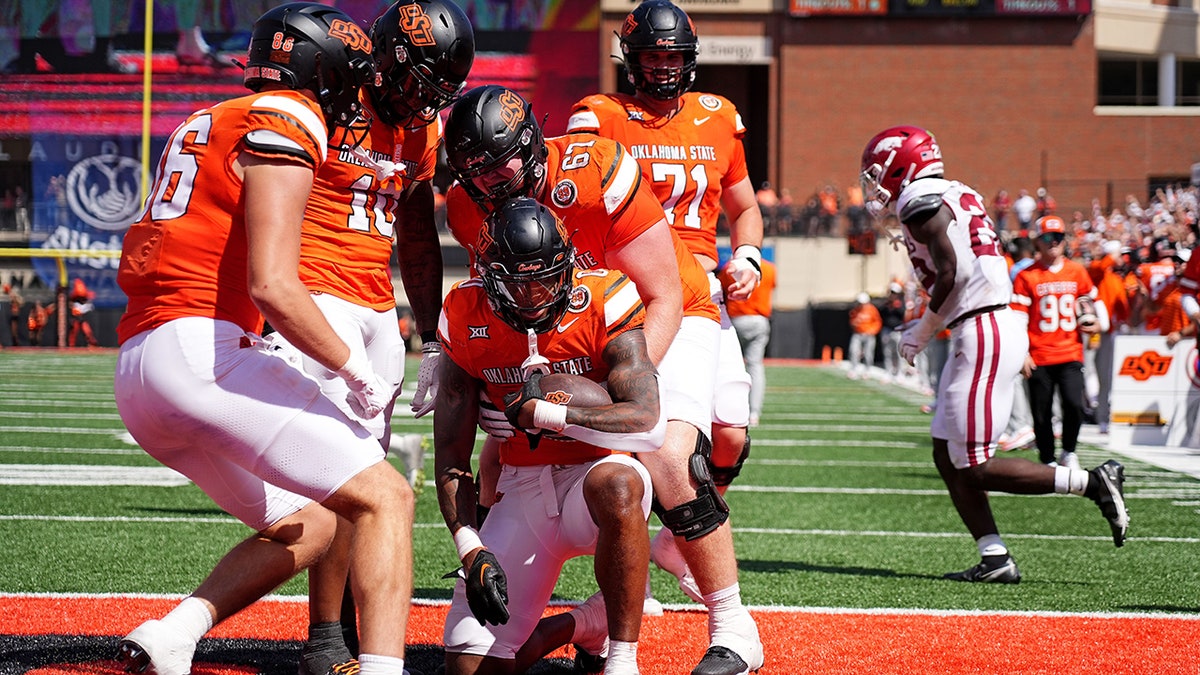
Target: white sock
x: 1067, y: 480
x: 725, y: 611
x: 991, y: 544
x: 374, y: 664
x: 622, y: 657
x: 191, y: 617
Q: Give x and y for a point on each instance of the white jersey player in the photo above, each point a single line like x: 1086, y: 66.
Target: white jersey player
x: 954, y: 250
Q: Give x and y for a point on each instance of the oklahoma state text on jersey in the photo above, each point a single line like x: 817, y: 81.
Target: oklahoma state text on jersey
x: 682, y: 156
x: 604, y: 304
x: 1048, y: 297
x: 596, y: 189
x: 188, y: 248
x: 345, y: 246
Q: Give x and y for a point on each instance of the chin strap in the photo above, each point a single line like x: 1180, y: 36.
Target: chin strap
x: 382, y: 167
x: 535, y: 361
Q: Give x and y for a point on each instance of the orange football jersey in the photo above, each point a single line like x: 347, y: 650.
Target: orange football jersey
x: 186, y: 254
x: 596, y: 189
x: 1155, y: 276
x: 349, y: 225
x: 604, y: 304
x: 684, y: 157
x: 1048, y: 297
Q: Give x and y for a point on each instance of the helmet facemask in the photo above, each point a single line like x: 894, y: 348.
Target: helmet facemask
x: 526, y: 264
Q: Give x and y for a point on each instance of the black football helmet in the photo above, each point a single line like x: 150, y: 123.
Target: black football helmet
x: 307, y: 45
x: 486, y: 128
x: 525, y: 260
x: 423, y: 53
x: 659, y: 26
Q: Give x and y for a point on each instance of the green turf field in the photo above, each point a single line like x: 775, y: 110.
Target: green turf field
x: 839, y: 506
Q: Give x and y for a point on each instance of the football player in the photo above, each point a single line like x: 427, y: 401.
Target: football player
x: 1049, y: 294
x: 215, y: 252
x: 495, y: 149
x: 364, y: 200
x: 530, y: 312
x: 689, y: 147
x: 956, y: 256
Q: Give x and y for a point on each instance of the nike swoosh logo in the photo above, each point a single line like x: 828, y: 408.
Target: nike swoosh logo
x: 701, y: 120
x: 563, y: 326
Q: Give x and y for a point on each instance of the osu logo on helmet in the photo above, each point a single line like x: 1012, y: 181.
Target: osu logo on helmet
x: 512, y: 113
x: 350, y: 34
x: 416, y: 25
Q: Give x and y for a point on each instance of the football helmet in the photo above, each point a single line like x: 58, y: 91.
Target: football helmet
x: 488, y: 128
x: 307, y: 45
x: 894, y: 158
x: 525, y: 260
x: 423, y: 53
x: 659, y: 26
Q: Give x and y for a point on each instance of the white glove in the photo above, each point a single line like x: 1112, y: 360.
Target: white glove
x: 493, y: 421
x: 425, y: 396
x: 369, y: 394
x: 918, y: 335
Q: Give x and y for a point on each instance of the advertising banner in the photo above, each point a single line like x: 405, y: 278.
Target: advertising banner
x: 1156, y: 391
x: 88, y: 191
x: 802, y: 8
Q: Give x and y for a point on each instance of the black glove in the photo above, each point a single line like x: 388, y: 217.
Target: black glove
x: 530, y: 390
x: 487, y: 590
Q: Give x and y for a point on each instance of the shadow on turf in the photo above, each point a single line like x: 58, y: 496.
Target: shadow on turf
x: 783, y: 566
x: 20, y: 654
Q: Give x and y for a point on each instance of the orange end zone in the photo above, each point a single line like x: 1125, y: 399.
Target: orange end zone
x: 795, y: 642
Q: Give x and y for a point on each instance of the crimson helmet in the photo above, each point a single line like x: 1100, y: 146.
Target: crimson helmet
x: 307, y: 45
x: 486, y: 129
x: 894, y: 158
x: 423, y: 52
x: 526, y: 263
x: 659, y: 26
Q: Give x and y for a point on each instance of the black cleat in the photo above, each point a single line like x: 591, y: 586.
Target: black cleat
x: 993, y: 569
x: 721, y: 661
x: 590, y: 664
x: 1110, y: 497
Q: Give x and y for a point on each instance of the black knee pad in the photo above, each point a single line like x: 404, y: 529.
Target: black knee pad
x: 724, y: 475
x: 708, y: 511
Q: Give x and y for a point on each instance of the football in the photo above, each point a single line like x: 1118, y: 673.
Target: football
x: 574, y: 390
x: 1085, y: 312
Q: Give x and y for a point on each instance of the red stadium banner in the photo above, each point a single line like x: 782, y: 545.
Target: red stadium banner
x: 802, y: 8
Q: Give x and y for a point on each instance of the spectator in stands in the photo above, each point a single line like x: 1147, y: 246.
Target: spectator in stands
x: 1107, y: 272
x: 1024, y: 209
x: 785, y: 212
x: 828, y: 214
x: 856, y: 211
x: 1001, y: 205
x: 1046, y: 204
x: 1019, y: 432
x: 892, y: 314
x: 768, y: 202
x: 751, y: 319
x: 865, y: 324
x: 15, y: 303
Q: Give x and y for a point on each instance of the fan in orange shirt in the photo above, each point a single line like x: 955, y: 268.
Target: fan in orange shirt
x: 1046, y: 293
x: 865, y: 324
x: 751, y: 318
